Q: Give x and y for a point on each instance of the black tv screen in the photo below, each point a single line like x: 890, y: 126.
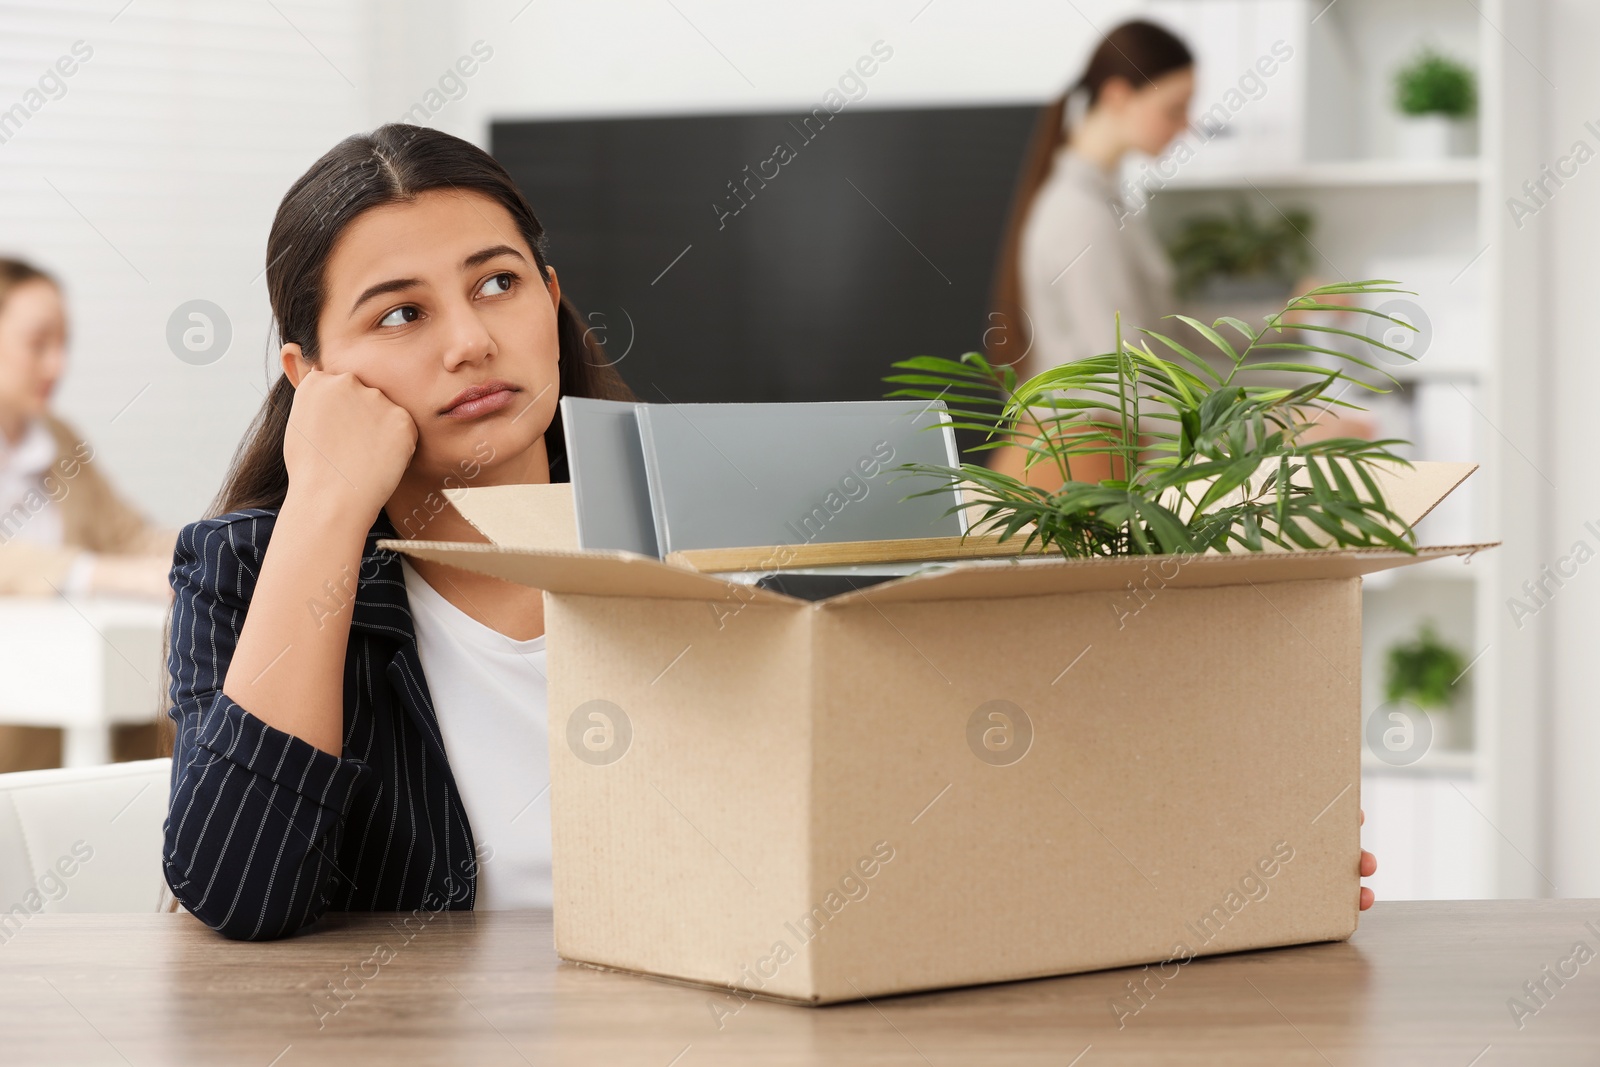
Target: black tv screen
x: 774, y: 257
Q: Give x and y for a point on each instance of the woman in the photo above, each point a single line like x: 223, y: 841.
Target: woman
x: 318, y: 683
x: 1075, y: 253
x: 350, y: 738
x: 62, y: 526
x: 1134, y: 95
x: 63, y: 529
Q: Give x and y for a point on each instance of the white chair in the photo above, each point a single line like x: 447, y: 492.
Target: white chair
x: 82, y: 839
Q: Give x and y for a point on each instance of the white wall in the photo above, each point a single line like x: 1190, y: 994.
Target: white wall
x: 175, y: 141
x: 651, y: 56
x: 152, y: 181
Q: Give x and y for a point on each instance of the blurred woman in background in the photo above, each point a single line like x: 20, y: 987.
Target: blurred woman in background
x: 63, y: 529
x: 1075, y: 254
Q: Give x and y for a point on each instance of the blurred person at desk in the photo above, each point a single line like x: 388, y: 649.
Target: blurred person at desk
x: 63, y: 528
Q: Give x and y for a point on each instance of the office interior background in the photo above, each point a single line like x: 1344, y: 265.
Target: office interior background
x: 147, y: 180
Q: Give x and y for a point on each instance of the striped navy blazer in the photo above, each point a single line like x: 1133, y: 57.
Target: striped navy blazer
x: 265, y: 832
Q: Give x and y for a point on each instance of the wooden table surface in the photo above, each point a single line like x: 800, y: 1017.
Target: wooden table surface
x: 1420, y: 983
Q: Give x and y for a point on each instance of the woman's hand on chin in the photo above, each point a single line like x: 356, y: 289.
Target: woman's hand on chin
x: 347, y: 443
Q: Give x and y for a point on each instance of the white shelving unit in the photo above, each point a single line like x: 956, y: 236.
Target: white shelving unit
x: 1334, y: 174
x: 1449, y: 824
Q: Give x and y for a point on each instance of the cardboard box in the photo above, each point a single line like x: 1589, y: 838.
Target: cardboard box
x: 1010, y: 769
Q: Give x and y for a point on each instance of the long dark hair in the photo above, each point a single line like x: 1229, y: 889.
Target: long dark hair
x: 14, y: 272
x: 1138, y: 52
x: 392, y: 163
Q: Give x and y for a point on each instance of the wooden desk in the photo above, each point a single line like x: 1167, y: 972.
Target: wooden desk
x: 1421, y: 983
x: 83, y: 665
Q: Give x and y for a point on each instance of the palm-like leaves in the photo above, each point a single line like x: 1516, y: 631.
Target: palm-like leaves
x: 1223, y: 465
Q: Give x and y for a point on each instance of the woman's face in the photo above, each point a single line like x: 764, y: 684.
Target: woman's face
x: 430, y: 297
x: 33, y: 348
x: 1158, y: 112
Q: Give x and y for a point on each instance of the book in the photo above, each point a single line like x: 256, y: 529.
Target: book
x: 662, y: 478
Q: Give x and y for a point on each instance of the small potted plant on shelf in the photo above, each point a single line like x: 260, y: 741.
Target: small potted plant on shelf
x: 1424, y: 671
x: 1201, y: 458
x: 1239, y: 257
x: 1437, y: 97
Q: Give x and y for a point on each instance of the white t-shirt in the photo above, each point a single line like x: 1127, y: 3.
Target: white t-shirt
x: 28, y: 511
x: 489, y: 696
x: 22, y: 490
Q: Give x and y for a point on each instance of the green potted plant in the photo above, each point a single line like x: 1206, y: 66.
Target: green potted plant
x: 1437, y: 97
x: 1241, y: 256
x: 1424, y: 670
x: 1201, y: 458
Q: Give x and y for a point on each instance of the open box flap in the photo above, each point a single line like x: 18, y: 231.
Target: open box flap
x: 534, y: 539
x: 520, y: 516
x: 1036, y: 576
x: 600, y: 573
x: 626, y: 574
x: 540, y: 516
x: 1413, y: 492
